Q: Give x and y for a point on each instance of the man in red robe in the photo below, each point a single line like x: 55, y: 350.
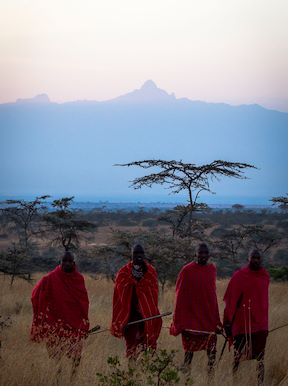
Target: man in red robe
x: 60, y: 311
x: 135, y: 298
x: 246, y: 312
x: 196, y: 314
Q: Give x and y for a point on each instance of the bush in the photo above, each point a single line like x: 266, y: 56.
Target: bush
x: 279, y: 273
x: 155, y: 368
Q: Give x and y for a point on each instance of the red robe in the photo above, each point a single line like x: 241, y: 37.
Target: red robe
x: 247, y: 288
x: 60, y: 306
x: 196, y: 305
x: 147, y: 295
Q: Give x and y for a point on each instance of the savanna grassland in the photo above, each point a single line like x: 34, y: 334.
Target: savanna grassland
x: 26, y: 363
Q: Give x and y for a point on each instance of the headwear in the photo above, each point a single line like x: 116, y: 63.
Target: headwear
x: 137, y: 248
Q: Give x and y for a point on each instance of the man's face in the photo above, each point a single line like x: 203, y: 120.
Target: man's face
x: 138, y: 258
x: 255, y: 262
x: 203, y: 256
x: 68, y: 264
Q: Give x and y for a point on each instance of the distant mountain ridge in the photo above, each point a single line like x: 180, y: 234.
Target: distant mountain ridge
x: 148, y: 93
x: 48, y: 147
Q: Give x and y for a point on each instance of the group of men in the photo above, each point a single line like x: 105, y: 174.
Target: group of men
x: 60, y: 308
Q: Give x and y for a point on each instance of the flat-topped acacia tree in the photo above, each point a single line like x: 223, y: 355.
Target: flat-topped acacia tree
x: 281, y: 201
x: 187, y: 177
x: 64, y: 225
x: 22, y: 220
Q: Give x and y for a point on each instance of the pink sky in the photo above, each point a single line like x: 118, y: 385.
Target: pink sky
x: 232, y: 51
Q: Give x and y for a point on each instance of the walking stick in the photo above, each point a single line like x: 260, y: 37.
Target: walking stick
x: 278, y: 328
x: 232, y: 321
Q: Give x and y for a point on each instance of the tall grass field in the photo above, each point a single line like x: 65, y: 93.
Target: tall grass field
x: 25, y: 363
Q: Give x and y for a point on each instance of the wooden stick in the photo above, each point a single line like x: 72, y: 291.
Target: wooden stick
x: 131, y: 323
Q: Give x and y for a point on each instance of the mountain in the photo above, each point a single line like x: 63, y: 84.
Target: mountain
x: 148, y: 93
x: 38, y: 99
x: 71, y: 148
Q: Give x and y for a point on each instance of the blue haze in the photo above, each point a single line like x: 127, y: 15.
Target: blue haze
x: 70, y: 148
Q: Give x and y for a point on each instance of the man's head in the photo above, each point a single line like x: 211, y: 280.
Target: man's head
x: 67, y: 262
x: 138, y: 255
x: 202, y: 254
x: 255, y: 260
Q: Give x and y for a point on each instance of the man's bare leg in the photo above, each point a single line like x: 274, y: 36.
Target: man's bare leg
x: 186, y: 367
x: 260, y: 370
x: 211, y: 362
x: 75, y: 365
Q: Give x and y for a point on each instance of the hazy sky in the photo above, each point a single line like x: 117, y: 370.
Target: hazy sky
x: 233, y: 51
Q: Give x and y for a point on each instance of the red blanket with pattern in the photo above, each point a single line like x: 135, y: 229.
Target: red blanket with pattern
x: 246, y: 301
x: 60, y: 305
x: 147, y: 295
x: 196, y: 305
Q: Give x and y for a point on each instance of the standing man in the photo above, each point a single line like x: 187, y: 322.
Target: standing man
x: 196, y: 314
x: 246, y: 313
x: 60, y: 311
x: 135, y: 298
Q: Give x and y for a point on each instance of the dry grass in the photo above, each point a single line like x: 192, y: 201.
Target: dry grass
x: 26, y: 363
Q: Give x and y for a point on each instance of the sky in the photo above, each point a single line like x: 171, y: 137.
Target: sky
x: 233, y: 51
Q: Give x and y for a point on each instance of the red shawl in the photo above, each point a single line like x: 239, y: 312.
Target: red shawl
x: 196, y: 305
x: 60, y: 305
x: 247, y: 288
x: 147, y: 294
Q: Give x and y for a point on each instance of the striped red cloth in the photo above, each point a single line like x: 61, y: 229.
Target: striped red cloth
x: 60, y: 306
x: 196, y: 305
x: 147, y: 294
x: 198, y: 342
x: 246, y: 301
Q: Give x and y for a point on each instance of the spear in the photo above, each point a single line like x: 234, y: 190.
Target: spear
x: 98, y: 331
x: 201, y: 332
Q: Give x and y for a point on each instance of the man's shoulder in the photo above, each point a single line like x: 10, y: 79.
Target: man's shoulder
x: 50, y: 274
x: 265, y: 272
x: 47, y: 278
x: 240, y: 272
x: 194, y: 266
x: 189, y: 267
x: 124, y: 269
x: 150, y: 268
x: 245, y: 271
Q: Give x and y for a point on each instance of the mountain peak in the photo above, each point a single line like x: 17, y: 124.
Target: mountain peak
x: 148, y: 93
x: 38, y: 99
x: 149, y: 85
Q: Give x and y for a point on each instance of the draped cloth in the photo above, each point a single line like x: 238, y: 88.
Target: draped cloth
x: 134, y: 300
x: 60, y: 312
x: 246, y: 301
x: 246, y: 307
x: 197, y: 342
x: 196, y: 307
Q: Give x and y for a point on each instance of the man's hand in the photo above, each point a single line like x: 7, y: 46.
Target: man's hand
x: 228, y: 329
x: 219, y: 330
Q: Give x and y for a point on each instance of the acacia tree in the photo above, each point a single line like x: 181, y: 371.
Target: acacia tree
x: 23, y: 219
x: 176, y: 218
x: 281, y: 201
x: 257, y: 236
x: 186, y: 177
x: 228, y: 243
x: 65, y: 226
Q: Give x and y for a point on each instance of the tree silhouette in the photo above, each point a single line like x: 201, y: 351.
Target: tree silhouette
x: 281, y: 201
x: 23, y: 218
x: 189, y: 178
x: 64, y: 225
